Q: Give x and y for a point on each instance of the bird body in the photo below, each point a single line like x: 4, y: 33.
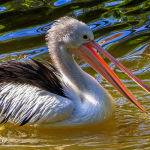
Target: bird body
x: 24, y: 102
x: 63, y: 94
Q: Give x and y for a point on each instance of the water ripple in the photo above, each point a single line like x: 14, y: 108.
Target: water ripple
x: 28, y: 32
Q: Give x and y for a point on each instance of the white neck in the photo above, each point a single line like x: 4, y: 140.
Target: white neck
x: 70, y: 70
x: 95, y: 101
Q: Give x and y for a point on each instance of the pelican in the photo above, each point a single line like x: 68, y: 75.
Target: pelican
x: 61, y: 95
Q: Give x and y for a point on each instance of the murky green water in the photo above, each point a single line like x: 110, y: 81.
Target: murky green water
x: 123, y: 28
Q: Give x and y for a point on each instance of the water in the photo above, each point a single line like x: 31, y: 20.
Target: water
x: 123, y: 28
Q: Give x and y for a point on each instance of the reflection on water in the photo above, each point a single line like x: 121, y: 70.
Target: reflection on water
x: 33, y: 31
x: 123, y: 28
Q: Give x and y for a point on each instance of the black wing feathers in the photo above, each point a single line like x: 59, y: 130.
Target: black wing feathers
x: 33, y: 72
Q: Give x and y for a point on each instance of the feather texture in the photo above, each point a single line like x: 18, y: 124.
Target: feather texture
x: 34, y: 73
x: 32, y: 92
x: 24, y: 103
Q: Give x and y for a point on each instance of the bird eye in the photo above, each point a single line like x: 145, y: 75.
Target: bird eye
x: 85, y: 37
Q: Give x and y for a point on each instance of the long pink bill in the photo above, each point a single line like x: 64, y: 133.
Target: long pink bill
x: 121, y: 67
